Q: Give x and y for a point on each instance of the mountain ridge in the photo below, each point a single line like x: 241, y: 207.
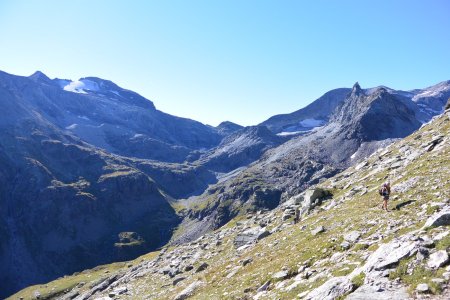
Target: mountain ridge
x: 343, y: 246
x: 83, y: 156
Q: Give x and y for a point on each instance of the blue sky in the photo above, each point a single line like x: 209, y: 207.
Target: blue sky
x: 242, y: 61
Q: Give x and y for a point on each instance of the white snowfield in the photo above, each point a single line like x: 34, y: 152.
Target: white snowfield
x: 432, y: 91
x: 79, y: 86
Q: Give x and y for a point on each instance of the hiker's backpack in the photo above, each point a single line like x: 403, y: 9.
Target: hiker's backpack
x: 383, y: 191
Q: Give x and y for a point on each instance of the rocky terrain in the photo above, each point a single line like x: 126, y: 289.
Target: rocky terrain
x: 92, y: 173
x: 68, y: 202
x: 364, y: 121
x: 344, y: 245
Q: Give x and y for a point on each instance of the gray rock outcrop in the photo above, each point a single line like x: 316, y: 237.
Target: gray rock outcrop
x: 438, y: 259
x: 332, y: 289
x: 250, y: 236
x: 441, y: 218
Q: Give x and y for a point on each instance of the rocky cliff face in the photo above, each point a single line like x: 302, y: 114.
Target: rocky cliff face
x: 319, y: 110
x: 110, y: 117
x: 344, y: 245
x: 65, y: 203
x: 240, y: 149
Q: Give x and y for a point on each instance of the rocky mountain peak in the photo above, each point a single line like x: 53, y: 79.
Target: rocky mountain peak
x: 375, y: 116
x: 356, y: 89
x: 38, y: 76
x: 227, y: 128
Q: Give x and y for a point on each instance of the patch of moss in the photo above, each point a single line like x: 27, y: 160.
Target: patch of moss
x: 432, y: 209
x: 444, y: 243
x: 419, y: 274
x: 358, y: 280
x: 360, y: 246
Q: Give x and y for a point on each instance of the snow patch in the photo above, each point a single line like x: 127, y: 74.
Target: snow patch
x: 79, y: 86
x: 433, y: 91
x: 288, y: 133
x: 72, y: 127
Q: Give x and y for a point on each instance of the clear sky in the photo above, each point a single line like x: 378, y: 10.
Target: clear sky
x: 242, y: 60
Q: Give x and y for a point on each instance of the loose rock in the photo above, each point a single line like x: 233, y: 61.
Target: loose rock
x: 438, y: 259
x: 422, y: 288
x: 318, y: 230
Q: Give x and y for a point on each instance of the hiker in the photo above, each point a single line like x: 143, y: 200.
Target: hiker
x: 385, y: 191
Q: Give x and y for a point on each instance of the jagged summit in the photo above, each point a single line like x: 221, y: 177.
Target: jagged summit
x: 227, y: 128
x: 39, y: 76
x: 356, y: 89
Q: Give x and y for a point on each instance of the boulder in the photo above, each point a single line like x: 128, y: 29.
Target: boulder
x: 390, y: 254
x: 189, y: 291
x: 441, y: 218
x: 422, y: 288
x: 250, y: 236
x: 201, y: 267
x: 345, y: 245
x: 438, y: 259
x: 280, y: 275
x: 352, y: 236
x: 264, y: 287
x: 317, y: 230
x: 246, y: 261
x: 332, y: 289
x: 120, y: 290
x: 438, y: 281
x: 311, y: 198
x: 177, y: 280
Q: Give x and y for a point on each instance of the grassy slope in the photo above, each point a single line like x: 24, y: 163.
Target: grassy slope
x: 86, y: 278
x: 357, y: 208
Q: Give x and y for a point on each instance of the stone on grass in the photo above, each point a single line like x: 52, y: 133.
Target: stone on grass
x: 352, y: 236
x: 438, y: 259
x: 280, y: 275
x: 438, y: 281
x: 250, y: 236
x: 345, y: 245
x: 264, y: 287
x: 317, y: 230
x: 303, y: 294
x: 422, y: 287
x: 189, y: 291
x: 441, y: 218
x: 177, y: 280
x: 246, y: 261
x: 332, y: 289
x: 201, y: 267
x: 390, y: 254
x: 446, y: 275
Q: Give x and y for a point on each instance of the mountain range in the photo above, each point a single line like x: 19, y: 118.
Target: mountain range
x: 92, y: 173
